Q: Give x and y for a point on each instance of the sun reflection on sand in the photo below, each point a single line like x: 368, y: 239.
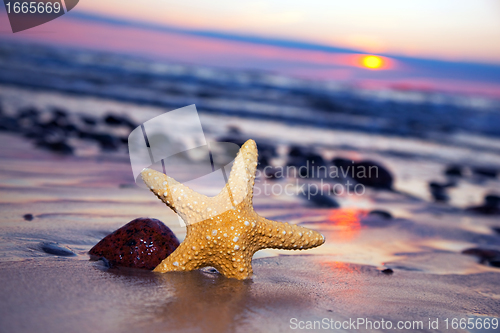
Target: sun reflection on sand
x: 346, y: 222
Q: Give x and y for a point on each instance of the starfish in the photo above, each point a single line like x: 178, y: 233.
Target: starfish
x: 224, y: 231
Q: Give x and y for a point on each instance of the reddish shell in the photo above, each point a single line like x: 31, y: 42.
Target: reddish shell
x: 141, y: 243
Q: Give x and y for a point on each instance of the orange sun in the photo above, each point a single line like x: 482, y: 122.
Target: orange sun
x: 372, y: 62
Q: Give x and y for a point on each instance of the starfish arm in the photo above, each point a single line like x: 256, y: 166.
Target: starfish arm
x: 161, y: 185
x: 191, y: 206
x: 282, y: 235
x: 242, y: 177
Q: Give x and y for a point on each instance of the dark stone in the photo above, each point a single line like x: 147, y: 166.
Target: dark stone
x: 484, y: 210
x: 28, y: 217
x: 485, y: 172
x: 118, y: 120
x: 491, y: 206
x: 485, y: 256
x: 377, y: 219
x: 141, y: 243
x: 59, y: 113
x: 381, y: 213
x: 342, y: 163
x: 495, y: 263
x: 234, y: 130
x: 368, y: 173
x: 438, y: 191
x: 321, y: 200
x: 492, y: 200
x: 88, y: 120
x: 388, y: 271
x: 28, y: 113
x: 454, y: 170
x: 496, y: 229
x: 107, y: 142
x: 8, y: 124
x: 296, y: 151
x: 56, y: 249
x: 381, y: 178
x: 59, y: 147
x: 307, y: 162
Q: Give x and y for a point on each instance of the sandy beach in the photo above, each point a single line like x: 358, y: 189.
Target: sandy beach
x: 408, y: 269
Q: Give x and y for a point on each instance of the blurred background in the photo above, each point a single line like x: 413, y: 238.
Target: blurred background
x: 406, y: 81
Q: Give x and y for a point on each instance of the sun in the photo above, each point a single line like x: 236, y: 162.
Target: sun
x: 372, y: 62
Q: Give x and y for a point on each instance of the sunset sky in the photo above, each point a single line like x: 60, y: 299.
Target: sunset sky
x: 446, y: 29
x: 445, y: 44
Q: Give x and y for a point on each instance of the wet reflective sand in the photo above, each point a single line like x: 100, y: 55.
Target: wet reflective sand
x: 77, y: 200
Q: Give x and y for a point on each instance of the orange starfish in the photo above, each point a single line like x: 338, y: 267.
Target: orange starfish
x: 224, y: 231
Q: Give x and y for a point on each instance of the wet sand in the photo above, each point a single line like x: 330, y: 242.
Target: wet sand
x: 77, y: 200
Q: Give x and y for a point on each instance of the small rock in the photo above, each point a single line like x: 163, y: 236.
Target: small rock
x: 387, y: 271
x: 342, y: 163
x: 321, y: 200
x: 107, y: 142
x: 492, y: 200
x: 56, y: 249
x: 381, y: 213
x: 118, y: 120
x: 485, y: 256
x: 438, y: 191
x: 60, y: 146
x: 372, y: 174
x: 491, y: 206
x: 377, y: 218
x: 88, y: 120
x: 141, y: 243
x: 28, y: 217
x: 496, y: 229
x: 485, y: 172
x: 8, y: 124
x: 454, y: 171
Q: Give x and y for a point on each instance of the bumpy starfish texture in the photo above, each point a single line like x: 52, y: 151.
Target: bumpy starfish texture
x: 224, y: 231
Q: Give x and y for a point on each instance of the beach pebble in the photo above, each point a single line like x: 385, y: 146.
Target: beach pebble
x: 107, y: 142
x: 377, y: 218
x: 491, y: 206
x: 387, y: 271
x: 485, y: 256
x: 341, y: 162
x: 56, y: 249
x: 321, y: 200
x: 380, y: 213
x: 438, y: 191
x: 485, y: 172
x: 59, y: 146
x: 119, y: 120
x: 141, y: 243
x: 375, y: 175
x: 88, y: 120
x: 8, y: 124
x: 28, y: 217
x: 454, y: 171
x: 368, y: 173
